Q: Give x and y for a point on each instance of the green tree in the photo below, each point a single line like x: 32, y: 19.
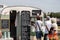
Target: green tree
x: 57, y: 14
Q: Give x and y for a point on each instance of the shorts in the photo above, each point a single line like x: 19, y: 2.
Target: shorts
x: 38, y: 34
x: 33, y: 33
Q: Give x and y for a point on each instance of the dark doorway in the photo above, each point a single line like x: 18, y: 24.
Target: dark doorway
x: 25, y: 28
x: 12, y: 23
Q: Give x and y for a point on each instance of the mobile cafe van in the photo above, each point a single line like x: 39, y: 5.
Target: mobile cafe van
x: 16, y: 20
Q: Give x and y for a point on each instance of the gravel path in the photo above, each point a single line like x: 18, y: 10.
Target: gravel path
x: 34, y: 38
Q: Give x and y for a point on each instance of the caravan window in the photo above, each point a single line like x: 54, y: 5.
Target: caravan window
x: 5, y: 24
x: 34, y: 12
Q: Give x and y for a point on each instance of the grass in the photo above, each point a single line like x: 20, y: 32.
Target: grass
x: 59, y: 27
x: 59, y: 35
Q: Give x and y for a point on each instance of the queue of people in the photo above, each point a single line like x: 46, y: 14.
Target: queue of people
x: 48, y: 31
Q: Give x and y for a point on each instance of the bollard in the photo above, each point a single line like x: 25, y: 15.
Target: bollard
x: 5, y: 35
x: 8, y: 34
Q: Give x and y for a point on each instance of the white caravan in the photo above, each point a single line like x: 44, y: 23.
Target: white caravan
x: 8, y: 11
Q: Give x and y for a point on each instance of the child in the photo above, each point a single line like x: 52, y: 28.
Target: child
x: 52, y: 34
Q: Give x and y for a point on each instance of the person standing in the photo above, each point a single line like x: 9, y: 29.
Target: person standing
x: 32, y: 30
x: 0, y: 34
x: 53, y: 30
x: 47, y: 27
x: 38, y: 26
x: 54, y: 24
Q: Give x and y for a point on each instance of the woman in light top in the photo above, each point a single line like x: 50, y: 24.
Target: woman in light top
x: 54, y: 24
x: 32, y: 30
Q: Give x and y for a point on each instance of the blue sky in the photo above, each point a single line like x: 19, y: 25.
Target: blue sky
x: 45, y: 5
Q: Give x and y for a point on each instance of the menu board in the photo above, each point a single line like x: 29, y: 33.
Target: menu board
x: 5, y: 24
x: 25, y: 28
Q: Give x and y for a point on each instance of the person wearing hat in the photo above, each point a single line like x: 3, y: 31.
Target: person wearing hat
x: 53, y: 32
x: 54, y: 24
x: 47, y: 27
x: 38, y: 26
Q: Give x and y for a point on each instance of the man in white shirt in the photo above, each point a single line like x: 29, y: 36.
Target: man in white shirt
x: 47, y: 27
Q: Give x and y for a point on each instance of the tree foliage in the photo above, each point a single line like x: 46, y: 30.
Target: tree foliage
x: 57, y: 14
